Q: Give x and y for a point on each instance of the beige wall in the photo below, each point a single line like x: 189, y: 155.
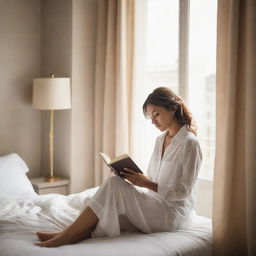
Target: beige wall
x: 83, y: 63
x: 20, y: 124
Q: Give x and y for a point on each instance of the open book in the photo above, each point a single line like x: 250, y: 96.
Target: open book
x: 118, y: 163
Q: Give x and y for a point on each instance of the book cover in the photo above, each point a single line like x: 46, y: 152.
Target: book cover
x: 118, y: 163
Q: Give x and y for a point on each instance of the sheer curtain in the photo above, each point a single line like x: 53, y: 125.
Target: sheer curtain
x: 113, y: 81
x: 234, y: 224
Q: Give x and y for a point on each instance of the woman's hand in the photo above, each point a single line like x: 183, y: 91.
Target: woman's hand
x: 138, y: 179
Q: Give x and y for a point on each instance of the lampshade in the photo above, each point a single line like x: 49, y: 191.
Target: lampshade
x: 51, y: 93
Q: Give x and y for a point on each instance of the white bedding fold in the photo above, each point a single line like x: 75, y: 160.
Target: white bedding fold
x: 50, y: 212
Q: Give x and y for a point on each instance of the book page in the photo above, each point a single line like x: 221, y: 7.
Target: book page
x: 105, y: 158
x: 118, y: 158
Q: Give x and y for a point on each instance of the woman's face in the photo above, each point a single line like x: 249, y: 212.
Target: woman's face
x: 161, y: 117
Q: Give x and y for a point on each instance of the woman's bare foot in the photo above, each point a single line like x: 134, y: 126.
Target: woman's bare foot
x: 53, y: 242
x: 62, y: 239
x: 44, y: 236
x: 79, y: 230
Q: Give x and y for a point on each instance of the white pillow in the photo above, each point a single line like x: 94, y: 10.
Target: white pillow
x: 13, y: 178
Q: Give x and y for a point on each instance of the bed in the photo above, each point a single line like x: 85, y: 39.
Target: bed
x: 23, y: 212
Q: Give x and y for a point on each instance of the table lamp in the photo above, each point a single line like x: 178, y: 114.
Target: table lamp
x: 51, y: 93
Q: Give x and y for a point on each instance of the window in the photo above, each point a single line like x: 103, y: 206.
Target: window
x: 201, y: 77
x: 180, y: 50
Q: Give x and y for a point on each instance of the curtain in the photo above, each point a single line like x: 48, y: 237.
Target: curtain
x: 113, y: 81
x: 234, y: 213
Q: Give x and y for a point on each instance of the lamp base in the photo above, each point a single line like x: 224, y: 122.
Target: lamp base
x: 52, y: 179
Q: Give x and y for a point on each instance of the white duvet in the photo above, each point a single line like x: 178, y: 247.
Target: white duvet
x: 21, y: 217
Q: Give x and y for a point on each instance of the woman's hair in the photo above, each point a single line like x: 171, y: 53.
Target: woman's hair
x: 166, y: 98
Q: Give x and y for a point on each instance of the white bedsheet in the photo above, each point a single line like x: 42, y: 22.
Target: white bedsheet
x: 20, y: 218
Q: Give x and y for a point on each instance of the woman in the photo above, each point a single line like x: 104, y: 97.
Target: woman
x: 167, y: 201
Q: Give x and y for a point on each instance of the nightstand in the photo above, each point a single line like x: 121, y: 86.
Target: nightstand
x: 43, y: 187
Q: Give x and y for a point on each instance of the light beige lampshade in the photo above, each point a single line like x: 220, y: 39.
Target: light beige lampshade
x: 51, y: 93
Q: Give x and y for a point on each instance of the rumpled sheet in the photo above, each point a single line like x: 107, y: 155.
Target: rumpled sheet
x: 21, y: 217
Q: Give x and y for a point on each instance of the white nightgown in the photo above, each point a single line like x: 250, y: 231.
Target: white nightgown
x: 121, y: 206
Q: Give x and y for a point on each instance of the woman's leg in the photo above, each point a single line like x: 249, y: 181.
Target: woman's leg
x: 116, y: 197
x: 80, y: 229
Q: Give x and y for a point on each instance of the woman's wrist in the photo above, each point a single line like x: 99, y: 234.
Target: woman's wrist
x: 152, y: 186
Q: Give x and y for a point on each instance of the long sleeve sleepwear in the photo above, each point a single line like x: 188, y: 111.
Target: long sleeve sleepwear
x: 120, y: 206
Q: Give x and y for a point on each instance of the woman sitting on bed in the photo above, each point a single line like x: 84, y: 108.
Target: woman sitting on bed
x: 166, y: 203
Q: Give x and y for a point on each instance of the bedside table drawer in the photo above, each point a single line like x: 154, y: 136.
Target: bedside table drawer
x: 43, y: 187
x: 54, y: 190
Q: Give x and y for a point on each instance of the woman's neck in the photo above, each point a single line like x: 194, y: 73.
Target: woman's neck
x: 174, y: 128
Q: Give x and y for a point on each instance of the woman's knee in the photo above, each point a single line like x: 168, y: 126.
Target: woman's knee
x: 117, y: 181
x: 114, y: 179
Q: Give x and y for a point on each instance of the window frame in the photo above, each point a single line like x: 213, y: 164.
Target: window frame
x: 183, y: 67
